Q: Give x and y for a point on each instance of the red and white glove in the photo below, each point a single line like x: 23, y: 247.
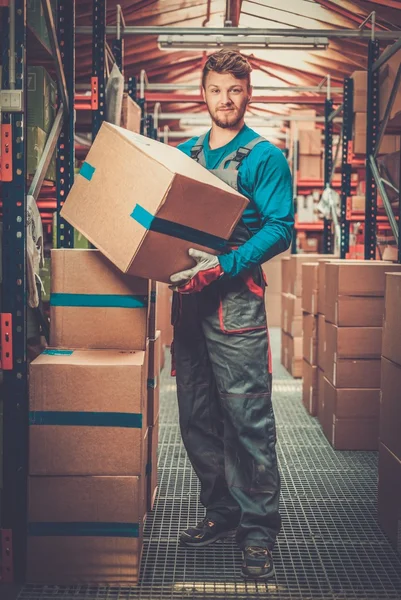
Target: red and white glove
x: 206, y: 270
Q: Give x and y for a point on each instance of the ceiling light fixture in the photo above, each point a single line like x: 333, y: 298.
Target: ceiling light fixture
x: 241, y: 42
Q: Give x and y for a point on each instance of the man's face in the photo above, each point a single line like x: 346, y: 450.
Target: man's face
x: 226, y: 98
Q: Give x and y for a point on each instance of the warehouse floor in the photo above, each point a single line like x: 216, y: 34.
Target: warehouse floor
x: 331, y: 546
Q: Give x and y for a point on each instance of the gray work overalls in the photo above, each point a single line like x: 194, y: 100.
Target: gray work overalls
x: 222, y: 363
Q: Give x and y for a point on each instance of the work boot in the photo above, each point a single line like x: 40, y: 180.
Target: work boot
x: 204, y: 533
x: 257, y: 563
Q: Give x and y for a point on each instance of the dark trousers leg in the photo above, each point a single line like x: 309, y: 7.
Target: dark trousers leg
x: 201, y: 419
x: 240, y: 367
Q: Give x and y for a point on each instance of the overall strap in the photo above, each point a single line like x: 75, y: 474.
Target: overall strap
x: 235, y: 159
x: 197, y: 151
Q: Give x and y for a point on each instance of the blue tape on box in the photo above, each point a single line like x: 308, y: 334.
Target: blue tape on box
x: 87, y: 171
x: 183, y: 232
x: 98, y: 300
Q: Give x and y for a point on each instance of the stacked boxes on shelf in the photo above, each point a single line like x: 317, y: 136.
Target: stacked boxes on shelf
x: 321, y: 338
x: 310, y: 337
x: 291, y: 317
x: 88, y: 442
x: 354, y: 306
x: 310, y: 153
x: 389, y: 494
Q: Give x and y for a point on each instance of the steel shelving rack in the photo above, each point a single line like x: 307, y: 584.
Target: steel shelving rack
x: 375, y: 133
x: 15, y: 194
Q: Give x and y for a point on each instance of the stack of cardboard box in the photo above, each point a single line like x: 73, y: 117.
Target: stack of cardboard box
x: 354, y: 305
x: 310, y: 337
x: 89, y: 417
x: 389, y: 496
x: 390, y: 143
x: 291, y: 317
x: 321, y: 338
x: 272, y: 271
x: 310, y: 154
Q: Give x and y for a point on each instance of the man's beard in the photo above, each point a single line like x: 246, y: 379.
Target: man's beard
x: 229, y: 124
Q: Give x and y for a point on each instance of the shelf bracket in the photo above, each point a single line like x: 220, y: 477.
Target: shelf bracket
x: 6, y: 153
x: 6, y: 342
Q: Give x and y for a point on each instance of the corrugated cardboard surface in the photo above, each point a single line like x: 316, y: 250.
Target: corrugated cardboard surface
x: 392, y: 320
x: 390, y: 407
x: 390, y: 143
x: 155, y: 349
x: 357, y: 278
x: 346, y: 403
x: 291, y: 315
x: 272, y: 271
x: 320, y: 393
x: 355, y: 311
x: 67, y: 559
x: 309, y: 166
x: 360, y: 91
x: 87, y: 272
x: 310, y: 141
x: 310, y: 341
x: 152, y: 465
x: 321, y: 341
x: 352, y: 373
x: 296, y: 263
x: 389, y: 496
x: 309, y: 287
x: 92, y: 381
x: 353, y: 342
x: 286, y: 274
x: 355, y: 434
x: 131, y: 169
x: 130, y: 114
x: 294, y: 361
x: 273, y: 308
x: 310, y: 388
x: 164, y: 300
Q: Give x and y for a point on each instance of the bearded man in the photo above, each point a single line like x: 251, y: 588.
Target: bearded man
x: 221, y: 344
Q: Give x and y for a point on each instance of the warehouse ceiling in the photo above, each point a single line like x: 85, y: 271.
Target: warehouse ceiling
x: 270, y: 67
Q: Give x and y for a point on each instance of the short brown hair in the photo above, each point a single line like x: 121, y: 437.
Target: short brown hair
x: 228, y: 61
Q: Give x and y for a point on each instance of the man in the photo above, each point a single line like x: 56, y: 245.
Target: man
x: 221, y: 348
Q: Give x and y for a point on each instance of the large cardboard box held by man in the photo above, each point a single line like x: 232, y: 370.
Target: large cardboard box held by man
x: 143, y: 204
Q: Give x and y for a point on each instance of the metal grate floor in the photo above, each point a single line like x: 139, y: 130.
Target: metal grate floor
x: 330, y: 548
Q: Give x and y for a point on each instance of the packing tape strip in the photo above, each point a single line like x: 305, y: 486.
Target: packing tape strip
x: 87, y: 171
x: 56, y: 352
x: 98, y: 300
x: 83, y: 529
x: 183, y: 232
x: 85, y: 419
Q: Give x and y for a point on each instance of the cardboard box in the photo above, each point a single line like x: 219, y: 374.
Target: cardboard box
x: 299, y: 125
x: 130, y: 114
x: 41, y: 99
x: 155, y: 204
x: 309, y: 166
x: 392, y: 321
x: 155, y: 348
x: 164, y: 302
x: 320, y: 393
x: 390, y: 406
x: 357, y: 278
x: 296, y: 262
x: 291, y: 315
x: 84, y: 530
x: 360, y: 79
x: 354, y: 311
x: 310, y: 388
x: 352, y: 373
x: 286, y: 274
x: 283, y: 346
x: 390, y: 143
x: 353, y: 342
x: 388, y: 73
x: 294, y: 347
x: 310, y: 338
x: 153, y: 309
x: 309, y: 287
x: 308, y: 243
x: 272, y: 272
x: 93, y: 305
x: 151, y: 471
x: 305, y: 211
x: 321, y: 341
x: 354, y: 417
x: 358, y: 203
x: 273, y: 309
x: 88, y: 413
x: 389, y: 496
x: 310, y: 141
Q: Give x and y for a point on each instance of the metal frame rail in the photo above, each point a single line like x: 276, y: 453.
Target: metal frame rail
x: 375, y: 133
x: 13, y: 536
x: 346, y: 164
x: 328, y: 170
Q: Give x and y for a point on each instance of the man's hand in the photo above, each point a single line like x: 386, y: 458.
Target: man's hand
x: 206, y: 270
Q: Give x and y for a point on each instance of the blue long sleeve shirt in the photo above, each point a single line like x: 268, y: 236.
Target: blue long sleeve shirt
x: 265, y: 179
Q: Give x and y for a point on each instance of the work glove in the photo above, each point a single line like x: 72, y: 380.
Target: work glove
x: 206, y: 270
